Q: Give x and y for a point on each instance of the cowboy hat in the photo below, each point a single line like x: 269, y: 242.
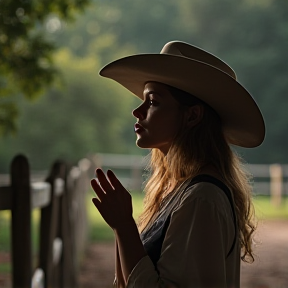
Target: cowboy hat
x: 201, y: 74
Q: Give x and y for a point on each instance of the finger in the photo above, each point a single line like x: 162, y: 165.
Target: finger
x: 97, y: 204
x: 98, y: 190
x: 105, y: 184
x: 115, y: 181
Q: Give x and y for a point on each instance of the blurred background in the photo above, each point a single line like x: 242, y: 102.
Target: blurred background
x: 53, y: 104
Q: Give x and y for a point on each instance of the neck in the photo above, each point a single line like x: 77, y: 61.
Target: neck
x: 210, y: 169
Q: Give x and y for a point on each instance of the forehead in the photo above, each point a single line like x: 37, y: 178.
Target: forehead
x: 156, y: 87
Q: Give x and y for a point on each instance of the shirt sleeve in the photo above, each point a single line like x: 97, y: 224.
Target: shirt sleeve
x: 199, y: 236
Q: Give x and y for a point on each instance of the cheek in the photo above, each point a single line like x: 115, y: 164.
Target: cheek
x: 175, y: 129
x: 172, y: 126
x: 176, y: 121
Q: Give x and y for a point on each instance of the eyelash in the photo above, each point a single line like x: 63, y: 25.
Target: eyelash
x: 152, y: 102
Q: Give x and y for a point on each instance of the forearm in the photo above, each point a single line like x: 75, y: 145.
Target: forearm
x: 130, y: 247
x: 119, y: 274
x: 114, y: 203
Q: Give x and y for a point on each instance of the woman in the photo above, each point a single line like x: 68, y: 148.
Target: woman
x: 197, y: 221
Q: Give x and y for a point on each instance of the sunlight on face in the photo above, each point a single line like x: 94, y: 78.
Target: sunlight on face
x: 159, y: 118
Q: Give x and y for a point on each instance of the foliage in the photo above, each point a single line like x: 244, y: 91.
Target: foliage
x: 26, y: 54
x: 70, y: 121
x: 8, y: 112
x: 250, y: 35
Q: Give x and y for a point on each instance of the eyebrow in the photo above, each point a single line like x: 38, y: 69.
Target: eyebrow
x: 148, y: 93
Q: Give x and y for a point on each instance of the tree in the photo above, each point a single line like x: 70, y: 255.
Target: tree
x: 86, y: 115
x: 26, y: 65
x: 249, y: 35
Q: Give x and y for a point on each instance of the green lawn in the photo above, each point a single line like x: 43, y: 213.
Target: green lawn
x: 266, y: 210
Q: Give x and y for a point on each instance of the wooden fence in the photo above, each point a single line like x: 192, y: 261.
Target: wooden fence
x: 63, y: 221
x: 62, y: 225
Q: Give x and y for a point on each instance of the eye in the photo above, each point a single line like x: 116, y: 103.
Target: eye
x: 152, y: 102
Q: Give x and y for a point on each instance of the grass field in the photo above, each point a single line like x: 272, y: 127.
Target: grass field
x: 99, y: 231
x: 266, y: 210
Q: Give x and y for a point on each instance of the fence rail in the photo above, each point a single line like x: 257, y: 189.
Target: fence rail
x: 268, y: 179
x: 62, y: 228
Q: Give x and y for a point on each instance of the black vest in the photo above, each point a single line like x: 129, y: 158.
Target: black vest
x: 153, y: 237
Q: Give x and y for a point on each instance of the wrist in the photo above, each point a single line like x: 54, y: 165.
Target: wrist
x: 125, y: 226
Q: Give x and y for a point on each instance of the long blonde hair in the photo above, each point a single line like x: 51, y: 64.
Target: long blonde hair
x: 191, y: 150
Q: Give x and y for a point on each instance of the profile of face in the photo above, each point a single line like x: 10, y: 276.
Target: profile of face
x: 159, y: 118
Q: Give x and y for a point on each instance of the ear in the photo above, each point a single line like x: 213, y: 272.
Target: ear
x: 194, y: 115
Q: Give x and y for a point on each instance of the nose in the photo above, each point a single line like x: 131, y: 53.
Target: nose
x: 139, y: 112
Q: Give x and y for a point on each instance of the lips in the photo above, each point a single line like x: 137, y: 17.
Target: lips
x: 138, y: 128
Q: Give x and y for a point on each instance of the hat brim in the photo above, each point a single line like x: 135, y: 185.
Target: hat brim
x: 242, y: 120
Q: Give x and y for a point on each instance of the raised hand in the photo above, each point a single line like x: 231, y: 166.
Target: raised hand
x: 114, y: 202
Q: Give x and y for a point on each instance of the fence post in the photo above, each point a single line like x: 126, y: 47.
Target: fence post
x: 276, y: 184
x: 49, y: 228
x: 78, y: 181
x: 69, y: 273
x: 21, y: 223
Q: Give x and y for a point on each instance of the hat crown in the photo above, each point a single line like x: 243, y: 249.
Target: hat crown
x: 183, y: 49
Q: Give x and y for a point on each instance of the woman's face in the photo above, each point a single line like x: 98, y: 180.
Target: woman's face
x: 159, y: 118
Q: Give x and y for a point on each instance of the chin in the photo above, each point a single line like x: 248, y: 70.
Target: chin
x: 142, y: 144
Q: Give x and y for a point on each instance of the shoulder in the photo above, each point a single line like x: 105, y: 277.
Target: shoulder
x: 204, y: 193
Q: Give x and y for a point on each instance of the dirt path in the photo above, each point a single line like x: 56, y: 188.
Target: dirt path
x: 270, y: 269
